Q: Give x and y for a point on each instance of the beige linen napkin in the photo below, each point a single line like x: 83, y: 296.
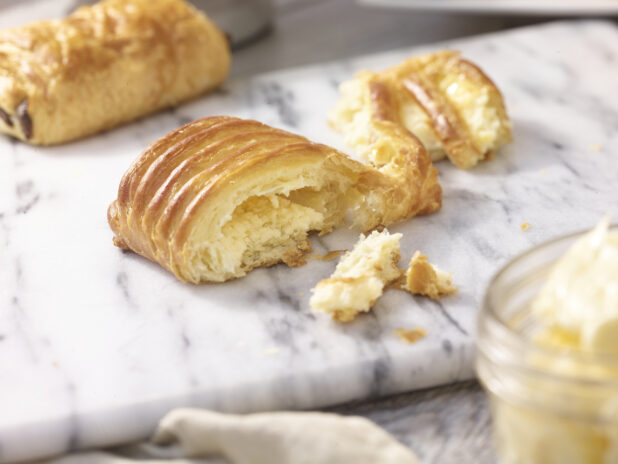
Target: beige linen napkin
x: 266, y: 438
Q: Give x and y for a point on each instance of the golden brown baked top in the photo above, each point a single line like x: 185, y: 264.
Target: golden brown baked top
x: 38, y: 54
x: 444, y: 100
x: 99, y: 50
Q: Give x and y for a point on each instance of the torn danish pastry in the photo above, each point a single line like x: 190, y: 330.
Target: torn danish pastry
x: 221, y: 196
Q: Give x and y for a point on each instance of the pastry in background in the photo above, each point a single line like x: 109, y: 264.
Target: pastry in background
x: 105, y: 65
x: 424, y: 278
x: 360, y: 277
x: 441, y: 99
x: 221, y: 196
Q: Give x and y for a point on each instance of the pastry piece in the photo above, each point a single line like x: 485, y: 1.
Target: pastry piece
x: 410, y: 335
x: 441, y: 99
x: 360, y: 277
x: 423, y: 278
x: 220, y: 196
x: 105, y: 65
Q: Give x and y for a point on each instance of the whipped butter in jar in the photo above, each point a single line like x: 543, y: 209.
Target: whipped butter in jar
x: 548, y: 352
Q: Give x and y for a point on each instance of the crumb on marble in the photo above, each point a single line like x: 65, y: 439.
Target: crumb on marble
x: 328, y: 256
x: 595, y: 147
x: 359, y: 278
x: 271, y: 351
x: 410, y: 335
x: 543, y: 171
x: 423, y: 278
x: 525, y: 226
x: 240, y: 344
x: 301, y: 293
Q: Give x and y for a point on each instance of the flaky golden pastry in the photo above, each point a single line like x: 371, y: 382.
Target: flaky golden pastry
x: 360, y: 277
x: 424, y: 278
x: 104, y: 65
x: 220, y: 196
x: 441, y: 99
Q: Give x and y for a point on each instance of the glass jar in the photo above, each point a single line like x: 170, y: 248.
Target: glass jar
x: 549, y: 405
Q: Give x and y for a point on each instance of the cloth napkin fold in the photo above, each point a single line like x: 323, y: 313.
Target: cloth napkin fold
x: 187, y: 436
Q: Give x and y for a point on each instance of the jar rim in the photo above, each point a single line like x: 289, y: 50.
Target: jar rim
x: 488, y: 308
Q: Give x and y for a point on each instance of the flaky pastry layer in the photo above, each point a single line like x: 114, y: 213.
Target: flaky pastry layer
x: 360, y: 277
x: 105, y: 65
x: 441, y: 99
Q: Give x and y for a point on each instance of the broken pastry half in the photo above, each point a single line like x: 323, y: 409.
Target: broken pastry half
x: 441, y: 99
x: 221, y: 196
x: 360, y: 277
x: 424, y: 278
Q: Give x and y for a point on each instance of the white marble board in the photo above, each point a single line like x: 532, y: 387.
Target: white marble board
x: 96, y: 344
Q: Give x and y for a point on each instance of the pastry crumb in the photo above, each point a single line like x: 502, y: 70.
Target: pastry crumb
x: 271, y: 351
x: 423, y: 278
x: 410, y: 335
x: 525, y: 226
x: 543, y: 171
x: 595, y: 147
x: 360, y: 277
x: 328, y: 256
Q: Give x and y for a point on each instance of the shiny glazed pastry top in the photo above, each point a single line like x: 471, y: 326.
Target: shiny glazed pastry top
x: 444, y: 100
x: 220, y: 196
x: 104, y: 65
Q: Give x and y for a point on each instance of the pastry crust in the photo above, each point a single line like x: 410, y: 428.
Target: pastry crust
x: 410, y: 336
x: 441, y: 99
x: 360, y: 277
x: 423, y: 278
x: 105, y: 65
x: 220, y: 196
